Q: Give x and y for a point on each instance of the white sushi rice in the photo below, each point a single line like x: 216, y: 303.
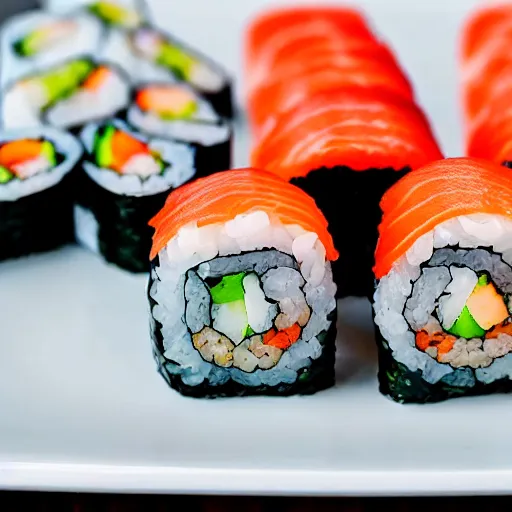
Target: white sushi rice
x: 180, y: 156
x: 85, y: 105
x: 86, y: 228
x: 205, y: 128
x: 85, y: 39
x: 253, y: 231
x: 64, y: 144
x: 394, y: 290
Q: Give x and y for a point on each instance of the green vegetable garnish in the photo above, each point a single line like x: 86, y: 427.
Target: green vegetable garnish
x: 114, y: 14
x: 49, y: 152
x: 230, y: 289
x: 465, y: 326
x: 5, y: 174
x: 103, y: 147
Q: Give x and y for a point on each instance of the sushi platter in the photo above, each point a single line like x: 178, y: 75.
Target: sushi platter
x: 166, y: 334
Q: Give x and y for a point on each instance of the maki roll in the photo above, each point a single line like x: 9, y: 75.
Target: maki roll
x: 66, y: 96
x: 331, y: 110
x: 185, y: 64
x: 126, y: 179
x: 442, y: 304
x: 241, y: 293
x: 357, y: 142
x: 176, y: 111
x: 36, y: 190
x: 36, y: 40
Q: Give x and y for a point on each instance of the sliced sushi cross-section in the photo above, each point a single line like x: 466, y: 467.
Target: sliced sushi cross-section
x: 241, y: 292
x: 444, y: 268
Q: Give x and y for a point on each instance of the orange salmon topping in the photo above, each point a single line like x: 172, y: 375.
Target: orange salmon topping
x: 283, y: 339
x: 163, y: 98
x: 222, y: 196
x: 436, y: 193
x: 97, y: 78
x: 124, y: 147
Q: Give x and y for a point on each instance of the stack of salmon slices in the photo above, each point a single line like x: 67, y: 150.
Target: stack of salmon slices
x: 487, y: 83
x: 327, y: 99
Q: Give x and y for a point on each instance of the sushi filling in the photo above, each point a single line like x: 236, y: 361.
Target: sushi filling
x: 167, y: 102
x: 112, y: 13
x: 123, y: 153
x: 101, y: 93
x: 22, y: 159
x: 444, y: 308
x: 465, y: 318
x: 45, y: 38
x: 228, y: 307
x: 245, y: 320
x: 163, y: 52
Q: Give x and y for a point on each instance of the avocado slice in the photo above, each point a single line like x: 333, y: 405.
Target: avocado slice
x: 48, y: 151
x: 174, y: 58
x: 103, y: 147
x: 5, y: 174
x: 230, y: 289
x: 465, y: 326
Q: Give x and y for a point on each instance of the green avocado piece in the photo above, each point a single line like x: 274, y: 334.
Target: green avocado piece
x: 64, y: 80
x: 49, y: 152
x: 230, y: 289
x: 5, y: 174
x: 26, y: 47
x: 249, y: 331
x: 465, y: 326
x: 176, y: 60
x: 103, y: 147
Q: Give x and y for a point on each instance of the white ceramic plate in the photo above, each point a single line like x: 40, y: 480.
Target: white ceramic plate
x: 81, y: 404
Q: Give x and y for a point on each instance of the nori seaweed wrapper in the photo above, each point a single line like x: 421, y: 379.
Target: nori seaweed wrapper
x: 319, y: 376
x: 124, y: 236
x: 215, y: 158
x: 38, y: 222
x: 350, y: 201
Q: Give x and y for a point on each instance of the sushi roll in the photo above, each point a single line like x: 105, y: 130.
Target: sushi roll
x: 443, y: 265
x: 125, y: 180
x: 357, y: 142
x: 184, y: 64
x: 330, y: 110
x: 36, y: 190
x: 176, y: 111
x: 36, y: 40
x: 241, y: 293
x: 66, y: 96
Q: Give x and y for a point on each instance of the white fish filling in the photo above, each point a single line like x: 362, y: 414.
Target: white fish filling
x: 393, y: 297
x: 243, y: 356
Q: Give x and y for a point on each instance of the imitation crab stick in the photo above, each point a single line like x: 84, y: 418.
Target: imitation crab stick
x: 220, y: 197
x: 433, y: 194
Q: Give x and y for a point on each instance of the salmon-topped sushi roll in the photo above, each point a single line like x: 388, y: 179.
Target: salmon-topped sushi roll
x: 178, y: 112
x: 241, y: 293
x: 355, y: 143
x: 36, y: 193
x: 444, y: 279
x: 125, y: 180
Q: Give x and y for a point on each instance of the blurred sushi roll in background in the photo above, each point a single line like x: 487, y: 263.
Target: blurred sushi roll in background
x: 125, y: 180
x: 486, y: 79
x: 241, y: 292
x: 178, y: 112
x: 125, y: 14
x: 36, y: 192
x: 68, y: 95
x: 444, y: 267
x: 331, y: 111
x: 33, y: 41
x: 184, y: 64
